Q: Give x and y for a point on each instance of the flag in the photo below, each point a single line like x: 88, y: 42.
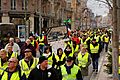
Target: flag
x: 69, y: 32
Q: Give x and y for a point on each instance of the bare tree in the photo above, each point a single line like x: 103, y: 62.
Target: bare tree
x: 107, y: 2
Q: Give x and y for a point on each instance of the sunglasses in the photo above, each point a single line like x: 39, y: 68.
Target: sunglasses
x: 69, y: 60
x: 11, y: 61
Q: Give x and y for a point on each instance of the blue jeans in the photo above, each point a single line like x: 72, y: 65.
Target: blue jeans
x: 41, y: 49
x: 95, y: 63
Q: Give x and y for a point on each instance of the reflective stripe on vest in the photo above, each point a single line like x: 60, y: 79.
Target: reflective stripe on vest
x: 14, y: 76
x: 25, y: 68
x: 72, y: 76
x: 82, y: 61
x: 94, y: 49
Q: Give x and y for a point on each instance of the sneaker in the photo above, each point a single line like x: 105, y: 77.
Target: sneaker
x: 96, y: 71
x: 93, y: 70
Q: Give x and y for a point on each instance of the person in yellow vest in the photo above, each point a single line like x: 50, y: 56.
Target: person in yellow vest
x: 85, y: 41
x: 76, y: 47
x: 94, y: 50
x: 70, y: 71
x: 106, y: 40
x: 11, y: 53
x: 60, y: 58
x: 28, y: 63
x: 84, y: 61
x: 34, y: 44
x: 119, y: 65
x: 13, y: 72
x: 41, y: 43
x: 69, y: 51
x: 3, y: 60
x: 49, y: 55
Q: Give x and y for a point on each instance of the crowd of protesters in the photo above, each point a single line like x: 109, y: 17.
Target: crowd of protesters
x: 19, y: 61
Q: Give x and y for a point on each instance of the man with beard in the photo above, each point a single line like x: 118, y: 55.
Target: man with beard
x: 28, y: 63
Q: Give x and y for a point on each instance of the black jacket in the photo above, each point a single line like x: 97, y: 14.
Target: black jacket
x: 48, y: 74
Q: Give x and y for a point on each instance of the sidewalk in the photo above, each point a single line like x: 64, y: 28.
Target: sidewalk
x: 102, y: 74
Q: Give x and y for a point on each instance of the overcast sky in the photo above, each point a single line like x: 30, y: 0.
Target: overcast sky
x: 97, y: 7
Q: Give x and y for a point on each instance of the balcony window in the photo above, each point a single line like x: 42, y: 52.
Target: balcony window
x: 24, y: 4
x: 13, y: 4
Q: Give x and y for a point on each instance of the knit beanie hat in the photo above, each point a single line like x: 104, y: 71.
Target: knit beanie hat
x: 41, y: 59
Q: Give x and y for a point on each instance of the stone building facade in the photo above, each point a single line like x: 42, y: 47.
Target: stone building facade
x: 43, y: 13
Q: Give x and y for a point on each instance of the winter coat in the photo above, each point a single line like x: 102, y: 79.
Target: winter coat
x: 48, y: 74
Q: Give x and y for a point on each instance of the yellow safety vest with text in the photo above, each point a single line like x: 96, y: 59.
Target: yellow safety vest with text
x: 2, y: 68
x: 72, y: 76
x: 94, y: 49
x: 82, y: 61
x: 25, y: 68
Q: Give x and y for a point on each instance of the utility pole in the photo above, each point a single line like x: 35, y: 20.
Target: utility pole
x: 115, y: 41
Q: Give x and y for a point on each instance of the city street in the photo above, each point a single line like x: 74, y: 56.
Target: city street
x: 101, y: 75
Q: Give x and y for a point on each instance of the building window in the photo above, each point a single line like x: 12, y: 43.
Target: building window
x: 24, y: 4
x: 13, y: 4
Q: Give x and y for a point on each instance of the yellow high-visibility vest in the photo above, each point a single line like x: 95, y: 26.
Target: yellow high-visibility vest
x: 82, y: 61
x: 25, y: 68
x: 58, y: 59
x: 50, y: 59
x: 14, y: 54
x: 106, y: 39
x: 94, y: 49
x: 76, y: 49
x: 119, y: 66
x: 2, y: 68
x: 14, y: 76
x: 41, y: 40
x: 84, y: 43
x: 72, y: 76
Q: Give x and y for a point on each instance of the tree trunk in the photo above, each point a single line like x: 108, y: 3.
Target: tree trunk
x: 115, y: 44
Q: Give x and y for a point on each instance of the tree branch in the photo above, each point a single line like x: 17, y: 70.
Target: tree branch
x: 106, y: 2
